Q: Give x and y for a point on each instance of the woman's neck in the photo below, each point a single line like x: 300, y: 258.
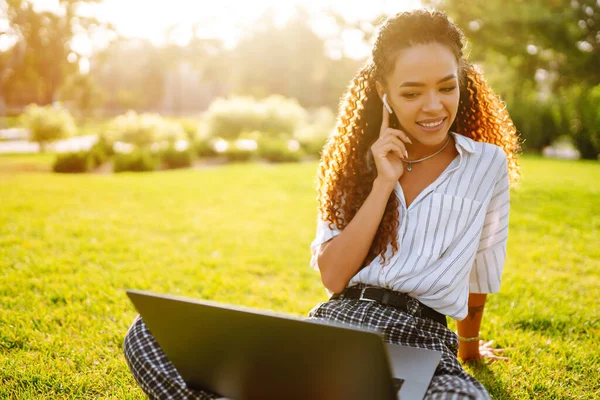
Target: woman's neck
x: 418, y: 150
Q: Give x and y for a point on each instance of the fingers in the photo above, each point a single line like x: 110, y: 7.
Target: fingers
x: 383, y: 150
x: 395, y: 132
x: 390, y: 139
x: 394, y: 139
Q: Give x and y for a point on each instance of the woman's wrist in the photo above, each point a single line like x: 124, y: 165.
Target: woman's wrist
x: 468, y: 350
x: 382, y: 184
x: 467, y: 339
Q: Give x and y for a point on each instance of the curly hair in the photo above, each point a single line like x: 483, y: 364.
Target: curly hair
x: 345, y: 176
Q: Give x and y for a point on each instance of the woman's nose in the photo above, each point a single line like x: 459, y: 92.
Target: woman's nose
x: 432, y: 102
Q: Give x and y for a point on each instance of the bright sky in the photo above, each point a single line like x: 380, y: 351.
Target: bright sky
x: 223, y: 18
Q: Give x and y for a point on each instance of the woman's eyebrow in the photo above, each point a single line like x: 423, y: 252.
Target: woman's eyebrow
x: 444, y: 79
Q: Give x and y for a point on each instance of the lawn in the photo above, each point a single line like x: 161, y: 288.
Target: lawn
x: 71, y: 244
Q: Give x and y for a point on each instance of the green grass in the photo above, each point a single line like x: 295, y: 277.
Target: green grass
x: 17, y: 163
x: 71, y: 244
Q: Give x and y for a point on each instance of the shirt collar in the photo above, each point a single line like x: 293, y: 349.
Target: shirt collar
x: 464, y: 142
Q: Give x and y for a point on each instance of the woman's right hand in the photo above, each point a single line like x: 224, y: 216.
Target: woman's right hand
x: 389, y: 151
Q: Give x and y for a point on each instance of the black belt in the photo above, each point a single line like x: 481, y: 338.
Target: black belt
x: 401, y: 301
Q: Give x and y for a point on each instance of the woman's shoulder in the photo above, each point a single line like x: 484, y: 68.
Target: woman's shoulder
x: 489, y: 153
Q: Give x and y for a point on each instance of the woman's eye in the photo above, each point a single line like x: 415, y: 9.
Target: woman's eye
x: 410, y: 95
x: 448, y: 89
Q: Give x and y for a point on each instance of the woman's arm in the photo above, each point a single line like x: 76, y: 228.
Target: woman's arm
x: 341, y: 257
x: 469, y: 327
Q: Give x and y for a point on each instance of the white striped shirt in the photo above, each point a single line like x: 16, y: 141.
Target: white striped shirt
x: 451, y: 239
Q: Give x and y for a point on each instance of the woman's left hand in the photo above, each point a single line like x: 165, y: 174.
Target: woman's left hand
x: 485, y: 353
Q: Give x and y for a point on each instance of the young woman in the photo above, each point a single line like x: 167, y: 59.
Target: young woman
x: 413, y: 192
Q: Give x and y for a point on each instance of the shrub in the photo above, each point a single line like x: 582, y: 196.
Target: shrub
x: 191, y: 128
x: 578, y: 113
x: 171, y: 158
x: 48, y: 124
x: 534, y: 120
x: 240, y: 150
x: 101, y: 151
x: 313, y: 147
x: 314, y: 133
x: 139, y: 160
x: 104, y: 144
x: 279, y: 150
x: 97, y: 156
x: 204, y: 148
x: 229, y: 118
x: 75, y: 162
x: 144, y: 129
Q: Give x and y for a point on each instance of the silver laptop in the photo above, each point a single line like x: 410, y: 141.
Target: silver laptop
x: 243, y: 353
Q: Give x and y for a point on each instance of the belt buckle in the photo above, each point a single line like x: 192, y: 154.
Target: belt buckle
x: 362, y: 295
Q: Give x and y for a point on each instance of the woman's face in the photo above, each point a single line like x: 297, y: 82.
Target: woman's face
x: 423, y: 91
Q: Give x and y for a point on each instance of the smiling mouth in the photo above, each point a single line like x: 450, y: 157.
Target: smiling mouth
x: 432, y: 124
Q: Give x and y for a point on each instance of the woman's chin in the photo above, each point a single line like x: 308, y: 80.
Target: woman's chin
x: 432, y: 140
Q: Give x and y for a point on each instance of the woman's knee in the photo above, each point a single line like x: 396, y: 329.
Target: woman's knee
x: 134, y: 339
x: 444, y: 387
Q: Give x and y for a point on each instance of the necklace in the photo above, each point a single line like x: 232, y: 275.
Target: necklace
x: 411, y: 162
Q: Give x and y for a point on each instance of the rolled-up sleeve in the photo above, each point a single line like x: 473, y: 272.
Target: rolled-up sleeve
x: 324, y: 233
x: 487, y: 268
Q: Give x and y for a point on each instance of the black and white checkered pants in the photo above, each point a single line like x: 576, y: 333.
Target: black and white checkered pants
x: 159, y: 380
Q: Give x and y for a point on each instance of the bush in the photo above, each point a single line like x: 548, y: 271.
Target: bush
x: 314, y: 133
x: 139, y: 160
x: 229, y: 118
x: 105, y: 145
x: 101, y: 151
x: 48, y: 124
x: 144, y: 129
x: 313, y: 147
x: 191, y: 128
x: 279, y: 150
x: 535, y: 121
x: 239, y: 150
x: 204, y: 148
x: 75, y: 162
x: 171, y: 158
x: 578, y: 113
x: 97, y: 156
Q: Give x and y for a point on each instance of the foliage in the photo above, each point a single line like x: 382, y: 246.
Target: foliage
x: 137, y: 161
x: 73, y: 162
x: 555, y: 36
x: 313, y: 135
x: 172, y: 158
x: 204, y: 148
x: 229, y: 118
x: 142, y: 130
x: 578, y: 113
x: 41, y: 59
x: 48, y: 123
x: 191, y: 128
x: 240, y: 150
x: 534, y: 120
x: 105, y: 145
x: 82, y: 93
x: 277, y: 150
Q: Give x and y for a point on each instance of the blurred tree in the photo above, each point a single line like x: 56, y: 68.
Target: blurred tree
x: 140, y: 84
x: 42, y: 50
x: 287, y: 60
x: 82, y: 94
x: 48, y: 124
x: 290, y: 60
x: 559, y: 37
x: 158, y: 77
